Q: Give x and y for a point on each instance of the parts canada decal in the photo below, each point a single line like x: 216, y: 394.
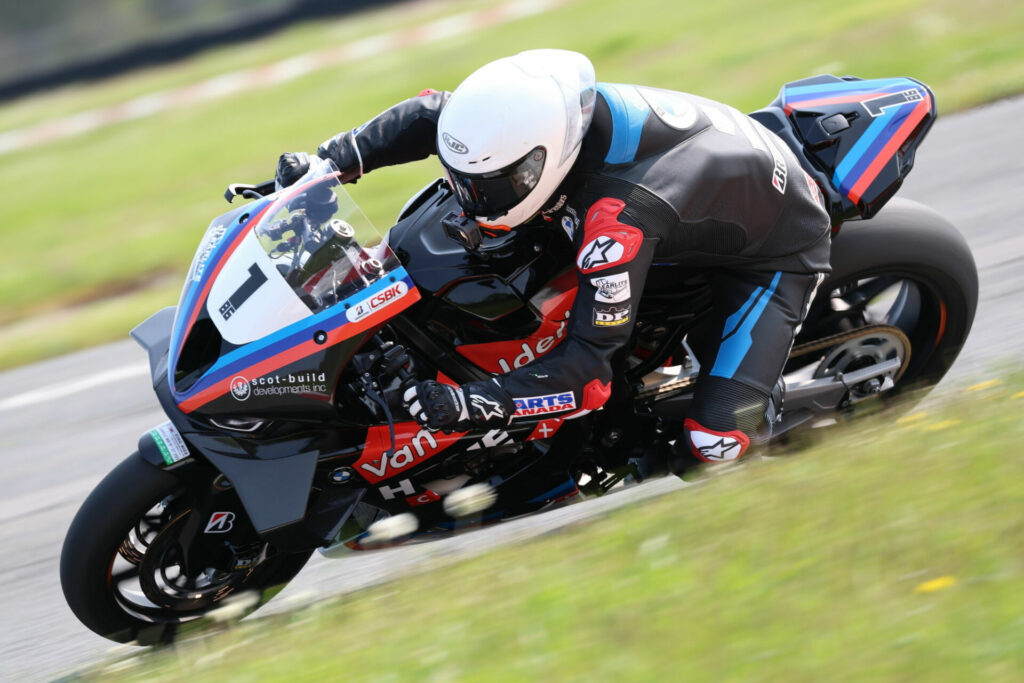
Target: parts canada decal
x: 542, y: 405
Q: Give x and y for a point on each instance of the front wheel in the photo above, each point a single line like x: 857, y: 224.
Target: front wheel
x: 127, y: 577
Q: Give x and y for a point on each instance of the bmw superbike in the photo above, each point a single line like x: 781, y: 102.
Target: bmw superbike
x: 281, y: 368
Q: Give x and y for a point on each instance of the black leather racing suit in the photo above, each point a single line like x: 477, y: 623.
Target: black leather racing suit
x: 666, y: 183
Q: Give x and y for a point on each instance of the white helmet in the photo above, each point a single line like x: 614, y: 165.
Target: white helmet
x: 511, y: 131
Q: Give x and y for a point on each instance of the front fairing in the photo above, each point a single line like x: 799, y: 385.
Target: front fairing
x: 280, y: 293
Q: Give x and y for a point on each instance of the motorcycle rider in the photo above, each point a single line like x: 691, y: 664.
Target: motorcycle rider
x: 645, y: 183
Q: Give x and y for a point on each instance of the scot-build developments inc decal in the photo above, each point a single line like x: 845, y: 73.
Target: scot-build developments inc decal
x: 279, y: 385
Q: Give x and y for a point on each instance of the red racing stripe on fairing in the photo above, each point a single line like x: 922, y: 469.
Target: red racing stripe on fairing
x: 806, y: 104
x: 201, y: 299
x: 308, y: 348
x: 898, y: 138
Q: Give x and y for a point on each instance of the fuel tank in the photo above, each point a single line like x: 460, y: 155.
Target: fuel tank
x: 500, y: 291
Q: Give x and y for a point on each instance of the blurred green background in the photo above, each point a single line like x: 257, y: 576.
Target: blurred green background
x: 99, y: 228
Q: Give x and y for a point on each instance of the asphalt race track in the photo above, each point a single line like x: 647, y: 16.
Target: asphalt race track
x: 64, y: 423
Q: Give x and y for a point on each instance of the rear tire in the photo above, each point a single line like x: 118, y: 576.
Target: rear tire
x: 926, y: 262
x: 97, y: 537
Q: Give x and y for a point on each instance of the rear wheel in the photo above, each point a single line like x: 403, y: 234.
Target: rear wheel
x: 127, y: 577
x: 909, y: 269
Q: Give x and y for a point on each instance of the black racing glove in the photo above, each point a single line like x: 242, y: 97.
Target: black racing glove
x: 290, y: 167
x: 474, y: 404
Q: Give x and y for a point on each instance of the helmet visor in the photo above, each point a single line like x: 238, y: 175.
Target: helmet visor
x: 495, y: 193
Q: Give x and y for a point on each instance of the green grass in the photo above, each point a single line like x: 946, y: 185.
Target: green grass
x: 103, y: 212
x: 891, y: 551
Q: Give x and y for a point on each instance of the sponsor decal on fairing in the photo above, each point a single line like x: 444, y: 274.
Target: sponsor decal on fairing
x: 220, y: 523
x: 876, y: 106
x: 372, y: 304
x: 530, y: 352
x: 240, y: 390
x: 305, y: 383
x: 168, y: 440
x: 411, y: 449
x: 542, y: 405
x: 493, y: 438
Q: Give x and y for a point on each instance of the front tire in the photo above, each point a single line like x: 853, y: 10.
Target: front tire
x: 108, y: 540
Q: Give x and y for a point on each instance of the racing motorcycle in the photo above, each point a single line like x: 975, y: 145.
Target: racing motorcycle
x: 281, y: 368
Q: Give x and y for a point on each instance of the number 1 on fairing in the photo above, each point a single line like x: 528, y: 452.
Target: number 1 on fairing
x: 245, y: 290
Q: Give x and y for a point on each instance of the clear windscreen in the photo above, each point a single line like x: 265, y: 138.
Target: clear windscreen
x: 311, y: 248
x: 322, y: 244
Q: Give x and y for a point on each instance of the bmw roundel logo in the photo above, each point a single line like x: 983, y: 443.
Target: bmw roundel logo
x: 453, y: 144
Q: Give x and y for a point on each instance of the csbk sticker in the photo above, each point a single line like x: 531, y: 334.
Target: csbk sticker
x: 541, y: 405
x: 374, y: 303
x: 611, y: 289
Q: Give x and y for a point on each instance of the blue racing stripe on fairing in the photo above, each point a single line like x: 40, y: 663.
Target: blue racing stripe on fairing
x: 298, y: 332
x: 851, y: 168
x: 860, y: 150
x: 558, y: 491
x: 734, y: 349
x: 629, y: 112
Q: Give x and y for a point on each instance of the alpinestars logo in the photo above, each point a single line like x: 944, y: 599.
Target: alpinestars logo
x: 720, y: 450
x: 486, y: 408
x: 599, y: 252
